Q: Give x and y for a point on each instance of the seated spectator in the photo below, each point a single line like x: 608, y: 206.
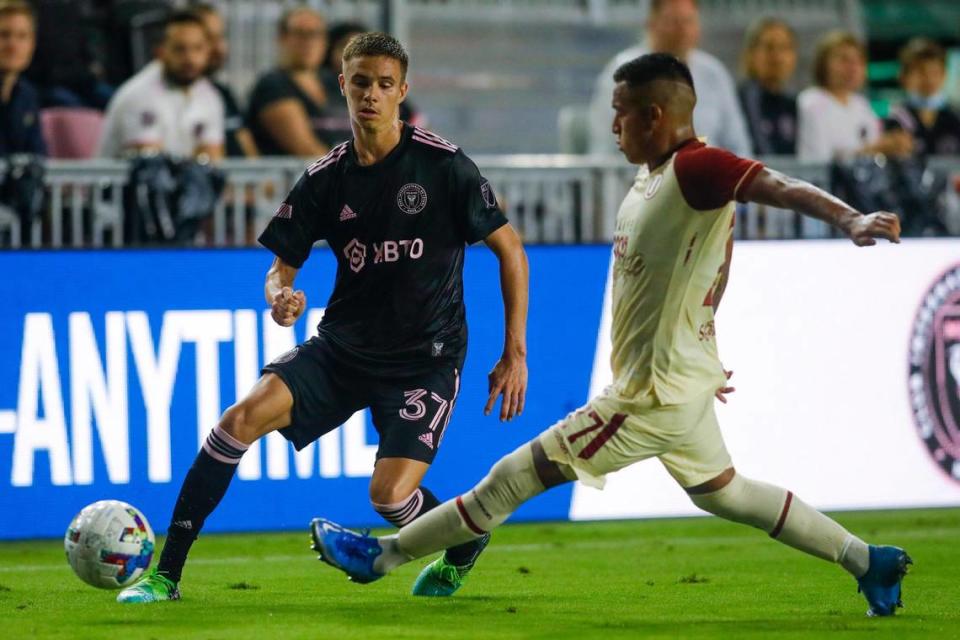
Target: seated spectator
x: 833, y: 119
x: 238, y: 141
x: 294, y: 109
x: 769, y: 60
x: 337, y: 38
x: 673, y: 26
x: 169, y: 106
x: 925, y: 114
x: 19, y: 103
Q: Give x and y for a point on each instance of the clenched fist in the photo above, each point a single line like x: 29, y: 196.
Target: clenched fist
x: 288, y: 305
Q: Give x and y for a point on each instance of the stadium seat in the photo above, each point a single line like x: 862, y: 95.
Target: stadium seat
x: 71, y: 133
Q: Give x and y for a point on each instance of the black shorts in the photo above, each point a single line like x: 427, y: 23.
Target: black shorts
x: 410, y: 412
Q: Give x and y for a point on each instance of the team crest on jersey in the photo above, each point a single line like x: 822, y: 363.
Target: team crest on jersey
x: 287, y: 357
x: 653, y: 186
x: 934, y: 377
x: 412, y: 198
x: 489, y: 197
x: 356, y: 254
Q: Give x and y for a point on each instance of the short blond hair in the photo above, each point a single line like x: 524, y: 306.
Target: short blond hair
x: 17, y: 8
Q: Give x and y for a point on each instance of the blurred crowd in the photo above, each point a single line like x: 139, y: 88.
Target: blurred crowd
x: 176, y: 103
x: 57, y: 99
x: 830, y: 118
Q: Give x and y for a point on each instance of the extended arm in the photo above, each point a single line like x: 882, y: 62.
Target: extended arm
x: 778, y: 190
x: 509, y: 376
x: 286, y: 305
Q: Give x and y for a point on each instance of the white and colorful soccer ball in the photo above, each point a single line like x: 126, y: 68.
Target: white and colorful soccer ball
x: 109, y: 544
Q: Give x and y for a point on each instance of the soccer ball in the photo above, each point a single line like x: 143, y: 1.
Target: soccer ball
x: 109, y: 544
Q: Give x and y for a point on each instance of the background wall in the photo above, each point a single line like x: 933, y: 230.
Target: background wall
x: 113, y: 365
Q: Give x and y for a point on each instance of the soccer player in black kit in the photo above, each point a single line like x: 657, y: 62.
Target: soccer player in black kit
x: 397, y: 205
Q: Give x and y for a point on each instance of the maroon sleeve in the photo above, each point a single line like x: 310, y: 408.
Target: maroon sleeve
x: 710, y: 177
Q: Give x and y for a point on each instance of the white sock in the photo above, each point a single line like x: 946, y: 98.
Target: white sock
x: 787, y: 519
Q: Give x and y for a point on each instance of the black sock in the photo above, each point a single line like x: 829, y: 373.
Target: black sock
x: 205, y: 484
x: 416, y: 505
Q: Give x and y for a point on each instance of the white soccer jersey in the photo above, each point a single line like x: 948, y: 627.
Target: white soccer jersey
x: 669, y: 248
x: 148, y: 110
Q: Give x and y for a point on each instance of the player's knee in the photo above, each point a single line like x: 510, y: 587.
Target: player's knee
x: 389, y: 492
x: 237, y: 422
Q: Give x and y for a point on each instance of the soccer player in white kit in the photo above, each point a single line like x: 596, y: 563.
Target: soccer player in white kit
x: 671, y: 257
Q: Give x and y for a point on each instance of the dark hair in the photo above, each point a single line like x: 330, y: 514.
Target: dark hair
x: 653, y: 66
x: 755, y: 31
x: 338, y: 32
x: 920, y: 50
x: 203, y: 8
x: 825, y: 48
x: 377, y: 43
x: 184, y: 16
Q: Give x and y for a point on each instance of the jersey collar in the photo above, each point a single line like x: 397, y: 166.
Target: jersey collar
x: 395, y: 154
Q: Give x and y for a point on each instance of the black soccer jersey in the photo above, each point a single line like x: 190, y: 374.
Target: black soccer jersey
x: 398, y: 229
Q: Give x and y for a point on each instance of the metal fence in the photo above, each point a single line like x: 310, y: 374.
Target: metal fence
x: 548, y: 198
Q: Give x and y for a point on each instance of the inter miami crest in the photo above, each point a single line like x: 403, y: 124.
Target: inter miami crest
x: 412, y: 198
x: 934, y: 377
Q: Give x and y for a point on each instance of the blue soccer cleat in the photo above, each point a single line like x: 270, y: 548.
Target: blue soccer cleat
x: 880, y: 585
x: 351, y: 552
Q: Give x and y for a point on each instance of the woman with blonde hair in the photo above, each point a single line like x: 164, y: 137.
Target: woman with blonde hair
x: 834, y: 119
x: 768, y: 62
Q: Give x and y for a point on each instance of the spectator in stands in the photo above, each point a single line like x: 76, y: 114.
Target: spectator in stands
x: 294, y: 109
x: 238, y: 141
x: 769, y: 60
x: 673, y: 26
x: 925, y: 114
x: 337, y: 38
x: 833, y: 118
x: 19, y: 103
x: 169, y: 106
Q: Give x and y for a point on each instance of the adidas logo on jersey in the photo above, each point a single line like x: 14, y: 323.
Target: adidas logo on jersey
x: 347, y: 213
x: 427, y: 439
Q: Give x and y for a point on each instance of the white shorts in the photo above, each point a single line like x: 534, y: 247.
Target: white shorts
x: 600, y: 438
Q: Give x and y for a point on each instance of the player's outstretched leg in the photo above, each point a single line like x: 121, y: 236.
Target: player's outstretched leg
x: 879, y: 570
x: 266, y: 407
x: 513, y: 480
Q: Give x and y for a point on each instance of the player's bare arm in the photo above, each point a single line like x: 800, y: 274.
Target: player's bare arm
x: 509, y: 377
x: 286, y: 305
x: 778, y: 190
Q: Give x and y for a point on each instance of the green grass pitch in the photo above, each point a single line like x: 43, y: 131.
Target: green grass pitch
x: 682, y: 578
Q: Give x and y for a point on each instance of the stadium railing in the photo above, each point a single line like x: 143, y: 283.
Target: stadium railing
x: 549, y: 198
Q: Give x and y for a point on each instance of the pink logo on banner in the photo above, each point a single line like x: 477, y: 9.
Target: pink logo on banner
x: 934, y: 373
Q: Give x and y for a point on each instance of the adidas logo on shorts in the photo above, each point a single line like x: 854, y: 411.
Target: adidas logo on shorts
x: 427, y: 439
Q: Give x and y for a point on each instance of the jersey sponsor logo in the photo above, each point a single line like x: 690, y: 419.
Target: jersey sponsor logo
x: 934, y: 373
x: 412, y: 198
x: 394, y: 250
x: 284, y: 211
x: 347, y: 213
x: 653, y: 186
x: 489, y: 197
x: 356, y: 254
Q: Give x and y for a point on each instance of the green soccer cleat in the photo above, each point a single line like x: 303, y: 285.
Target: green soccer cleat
x: 153, y: 588
x: 440, y: 579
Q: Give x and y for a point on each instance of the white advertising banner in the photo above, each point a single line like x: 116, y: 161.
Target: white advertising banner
x: 847, y: 368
